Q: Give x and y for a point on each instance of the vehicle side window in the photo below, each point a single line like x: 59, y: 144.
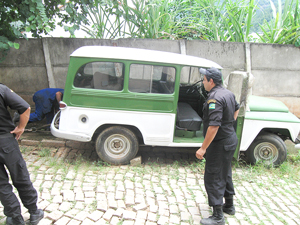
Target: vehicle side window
x: 100, y: 75
x: 151, y: 79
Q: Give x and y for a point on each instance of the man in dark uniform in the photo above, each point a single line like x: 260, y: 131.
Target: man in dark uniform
x: 219, y: 114
x: 11, y: 158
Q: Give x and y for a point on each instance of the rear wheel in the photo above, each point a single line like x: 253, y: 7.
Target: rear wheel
x: 117, y: 145
x: 268, y: 149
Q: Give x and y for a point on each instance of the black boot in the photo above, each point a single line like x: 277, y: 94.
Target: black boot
x: 216, y: 219
x: 36, y: 217
x: 228, y: 207
x: 18, y: 220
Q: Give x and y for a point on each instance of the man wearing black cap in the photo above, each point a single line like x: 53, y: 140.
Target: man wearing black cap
x: 219, y: 114
x: 11, y: 158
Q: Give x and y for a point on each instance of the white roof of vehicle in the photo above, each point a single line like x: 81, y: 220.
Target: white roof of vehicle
x: 146, y: 55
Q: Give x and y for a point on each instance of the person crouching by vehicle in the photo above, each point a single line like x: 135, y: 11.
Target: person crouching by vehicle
x: 219, y: 114
x: 46, y: 105
x: 11, y: 158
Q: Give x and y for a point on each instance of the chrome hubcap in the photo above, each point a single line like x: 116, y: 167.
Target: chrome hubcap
x: 266, y: 152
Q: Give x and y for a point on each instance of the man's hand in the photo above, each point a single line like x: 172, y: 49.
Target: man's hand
x: 210, y: 135
x: 200, y: 153
x: 19, y: 130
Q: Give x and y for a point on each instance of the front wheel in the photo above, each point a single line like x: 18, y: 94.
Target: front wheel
x: 268, y: 149
x: 117, y: 145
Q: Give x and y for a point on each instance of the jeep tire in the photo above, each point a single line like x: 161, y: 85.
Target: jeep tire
x: 117, y: 145
x: 267, y: 148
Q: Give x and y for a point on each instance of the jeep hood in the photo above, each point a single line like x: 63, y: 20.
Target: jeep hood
x: 262, y: 104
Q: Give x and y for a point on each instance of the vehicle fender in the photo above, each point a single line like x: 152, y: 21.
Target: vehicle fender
x: 252, y: 128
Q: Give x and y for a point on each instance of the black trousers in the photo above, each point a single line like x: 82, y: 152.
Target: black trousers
x: 11, y: 157
x: 218, y: 173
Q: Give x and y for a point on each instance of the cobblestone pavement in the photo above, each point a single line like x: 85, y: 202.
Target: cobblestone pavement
x: 76, y: 188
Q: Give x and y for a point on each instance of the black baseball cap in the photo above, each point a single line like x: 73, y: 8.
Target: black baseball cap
x: 212, y: 73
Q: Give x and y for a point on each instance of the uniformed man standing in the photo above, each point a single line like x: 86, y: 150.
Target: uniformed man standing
x: 11, y: 158
x: 219, y: 114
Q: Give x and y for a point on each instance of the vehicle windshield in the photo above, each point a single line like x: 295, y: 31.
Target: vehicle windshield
x: 190, y: 75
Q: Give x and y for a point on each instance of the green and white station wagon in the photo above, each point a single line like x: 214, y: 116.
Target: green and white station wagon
x: 122, y: 98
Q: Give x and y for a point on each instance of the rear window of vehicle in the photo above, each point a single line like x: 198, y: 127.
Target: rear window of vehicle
x: 100, y: 75
x: 151, y: 79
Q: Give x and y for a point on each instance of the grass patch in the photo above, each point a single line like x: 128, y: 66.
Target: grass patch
x: 288, y: 170
x: 44, y: 152
x: 243, y: 172
x: 294, y: 158
x: 197, y: 166
x: 25, y: 149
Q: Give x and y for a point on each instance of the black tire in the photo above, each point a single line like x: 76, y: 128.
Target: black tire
x: 267, y: 148
x: 117, y: 145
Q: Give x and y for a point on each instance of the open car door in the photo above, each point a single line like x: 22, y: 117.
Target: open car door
x: 238, y: 83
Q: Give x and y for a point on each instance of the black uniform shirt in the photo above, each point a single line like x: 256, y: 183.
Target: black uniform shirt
x: 218, y: 110
x: 14, y: 101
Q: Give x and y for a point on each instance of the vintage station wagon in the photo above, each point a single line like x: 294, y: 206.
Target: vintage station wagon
x: 122, y: 98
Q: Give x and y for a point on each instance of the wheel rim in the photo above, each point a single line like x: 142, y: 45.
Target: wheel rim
x: 57, y: 119
x: 266, y: 152
x: 117, y: 146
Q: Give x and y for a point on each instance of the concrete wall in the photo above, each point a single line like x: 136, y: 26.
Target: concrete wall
x: 277, y: 73
x: 42, y: 63
x: 24, y: 70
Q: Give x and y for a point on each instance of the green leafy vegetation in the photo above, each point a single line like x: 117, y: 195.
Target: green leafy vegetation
x: 218, y: 20
x: 44, y: 152
x: 19, y: 16
x: 266, y: 21
x: 284, y: 27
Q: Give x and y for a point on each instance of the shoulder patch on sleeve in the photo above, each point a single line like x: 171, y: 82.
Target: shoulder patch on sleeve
x: 211, y: 101
x: 11, y: 90
x: 212, y: 105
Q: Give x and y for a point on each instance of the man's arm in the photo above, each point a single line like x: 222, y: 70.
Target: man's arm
x: 236, y: 113
x: 19, y: 130
x: 58, y: 96
x: 209, y: 137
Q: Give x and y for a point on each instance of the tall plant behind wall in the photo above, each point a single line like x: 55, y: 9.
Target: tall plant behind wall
x: 139, y: 19
x: 219, y: 20
x: 224, y: 20
x: 284, y: 28
x: 172, y: 19
x: 146, y: 19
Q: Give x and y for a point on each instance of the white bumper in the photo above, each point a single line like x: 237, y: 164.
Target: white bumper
x: 67, y: 134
